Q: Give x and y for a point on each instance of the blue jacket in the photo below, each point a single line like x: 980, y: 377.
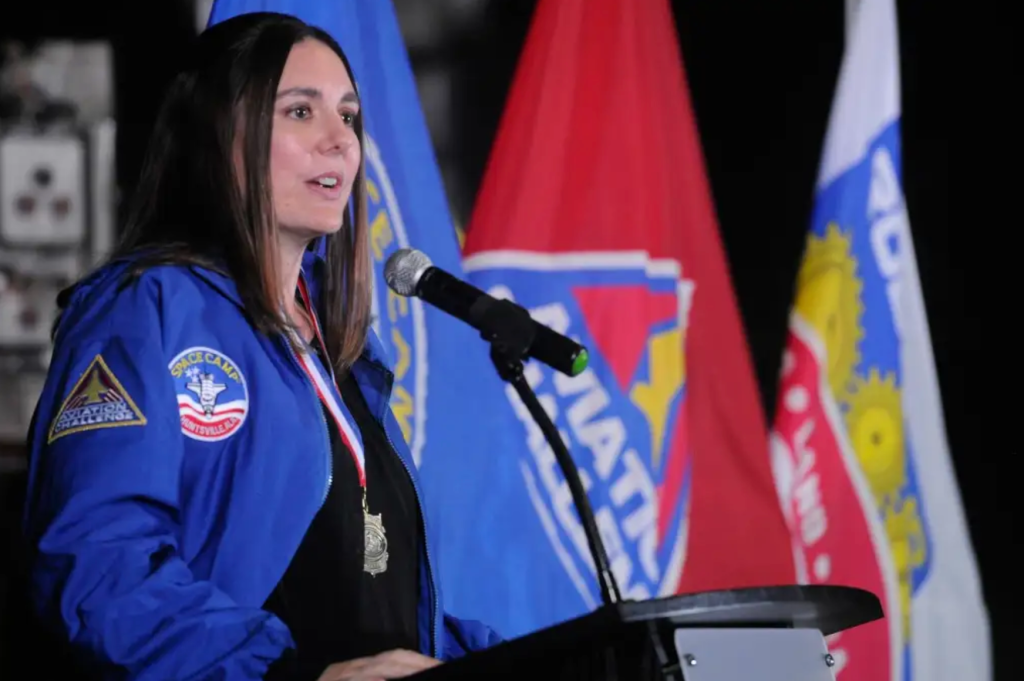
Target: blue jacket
x: 177, y: 458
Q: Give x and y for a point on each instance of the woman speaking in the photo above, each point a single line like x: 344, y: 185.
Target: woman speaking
x: 218, y: 488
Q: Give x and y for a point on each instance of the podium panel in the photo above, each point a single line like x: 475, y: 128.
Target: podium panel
x: 761, y: 654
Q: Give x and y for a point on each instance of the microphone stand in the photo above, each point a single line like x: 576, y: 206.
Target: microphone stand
x: 509, y: 330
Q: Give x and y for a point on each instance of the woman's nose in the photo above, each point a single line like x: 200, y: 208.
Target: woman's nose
x: 338, y: 137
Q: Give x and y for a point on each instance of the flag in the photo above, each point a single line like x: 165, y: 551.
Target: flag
x: 446, y: 394
x: 595, y: 214
x: 859, y: 448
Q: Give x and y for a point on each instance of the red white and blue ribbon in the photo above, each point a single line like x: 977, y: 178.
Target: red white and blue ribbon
x: 328, y: 396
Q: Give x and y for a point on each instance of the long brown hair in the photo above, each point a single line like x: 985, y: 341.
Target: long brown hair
x: 189, y: 206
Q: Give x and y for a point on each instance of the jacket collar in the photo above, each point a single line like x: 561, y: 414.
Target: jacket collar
x: 312, y: 274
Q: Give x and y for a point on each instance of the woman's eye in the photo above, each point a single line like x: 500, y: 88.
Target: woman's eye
x: 348, y: 117
x: 300, y: 112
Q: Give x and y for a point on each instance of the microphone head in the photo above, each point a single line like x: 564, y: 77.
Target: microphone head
x: 403, y: 270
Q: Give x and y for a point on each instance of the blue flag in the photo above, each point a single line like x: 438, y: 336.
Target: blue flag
x: 497, y: 564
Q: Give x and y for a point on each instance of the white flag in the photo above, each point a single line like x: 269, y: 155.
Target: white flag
x: 859, y: 444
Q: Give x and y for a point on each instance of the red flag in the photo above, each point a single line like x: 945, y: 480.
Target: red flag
x: 596, y: 170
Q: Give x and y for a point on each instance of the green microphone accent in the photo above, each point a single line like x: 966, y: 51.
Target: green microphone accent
x: 580, y: 363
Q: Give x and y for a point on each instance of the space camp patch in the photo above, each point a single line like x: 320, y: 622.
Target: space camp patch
x: 97, y: 400
x: 213, y: 398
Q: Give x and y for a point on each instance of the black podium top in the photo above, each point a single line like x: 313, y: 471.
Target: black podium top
x: 829, y: 609
x: 628, y: 640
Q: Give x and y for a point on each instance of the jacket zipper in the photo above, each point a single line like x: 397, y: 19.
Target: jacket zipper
x: 323, y: 420
x: 426, y: 548
x: 423, y: 533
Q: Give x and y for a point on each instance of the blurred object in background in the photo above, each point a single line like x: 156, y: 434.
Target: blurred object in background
x: 56, y: 201
x: 43, y: 200
x: 202, y: 8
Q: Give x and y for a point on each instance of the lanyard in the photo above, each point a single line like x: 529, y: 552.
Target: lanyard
x: 327, y: 396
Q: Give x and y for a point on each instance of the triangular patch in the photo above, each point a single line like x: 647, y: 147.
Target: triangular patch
x: 98, y: 400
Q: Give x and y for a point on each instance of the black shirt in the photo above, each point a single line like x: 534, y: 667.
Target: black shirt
x: 334, y: 610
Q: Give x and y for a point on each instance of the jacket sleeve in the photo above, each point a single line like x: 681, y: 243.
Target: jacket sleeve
x: 466, y: 636
x: 102, y: 519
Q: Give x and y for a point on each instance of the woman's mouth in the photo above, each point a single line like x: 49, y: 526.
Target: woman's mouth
x: 327, y: 185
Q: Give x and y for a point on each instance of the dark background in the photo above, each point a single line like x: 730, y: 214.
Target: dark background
x: 761, y: 76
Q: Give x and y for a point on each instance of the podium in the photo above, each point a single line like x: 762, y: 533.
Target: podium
x: 762, y: 634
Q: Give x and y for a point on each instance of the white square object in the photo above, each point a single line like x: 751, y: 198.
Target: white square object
x: 43, y: 199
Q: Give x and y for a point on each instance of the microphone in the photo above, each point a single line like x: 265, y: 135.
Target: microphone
x: 409, y: 272
x: 514, y: 335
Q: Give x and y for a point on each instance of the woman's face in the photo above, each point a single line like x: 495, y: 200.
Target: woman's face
x: 314, y: 150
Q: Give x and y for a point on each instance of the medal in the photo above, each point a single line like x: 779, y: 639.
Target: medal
x: 375, y: 556
x: 375, y: 542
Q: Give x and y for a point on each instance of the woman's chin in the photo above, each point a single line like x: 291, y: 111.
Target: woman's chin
x: 313, y: 229
x: 326, y: 229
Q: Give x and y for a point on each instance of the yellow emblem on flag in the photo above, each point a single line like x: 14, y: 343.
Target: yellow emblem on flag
x: 874, y: 421
x: 829, y: 298
x: 875, y: 424
x: 655, y: 395
x: 98, y: 400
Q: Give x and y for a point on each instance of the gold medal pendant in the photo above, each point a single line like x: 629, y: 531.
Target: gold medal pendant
x: 375, y: 555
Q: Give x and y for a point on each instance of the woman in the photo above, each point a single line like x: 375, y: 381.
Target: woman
x: 218, y: 488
